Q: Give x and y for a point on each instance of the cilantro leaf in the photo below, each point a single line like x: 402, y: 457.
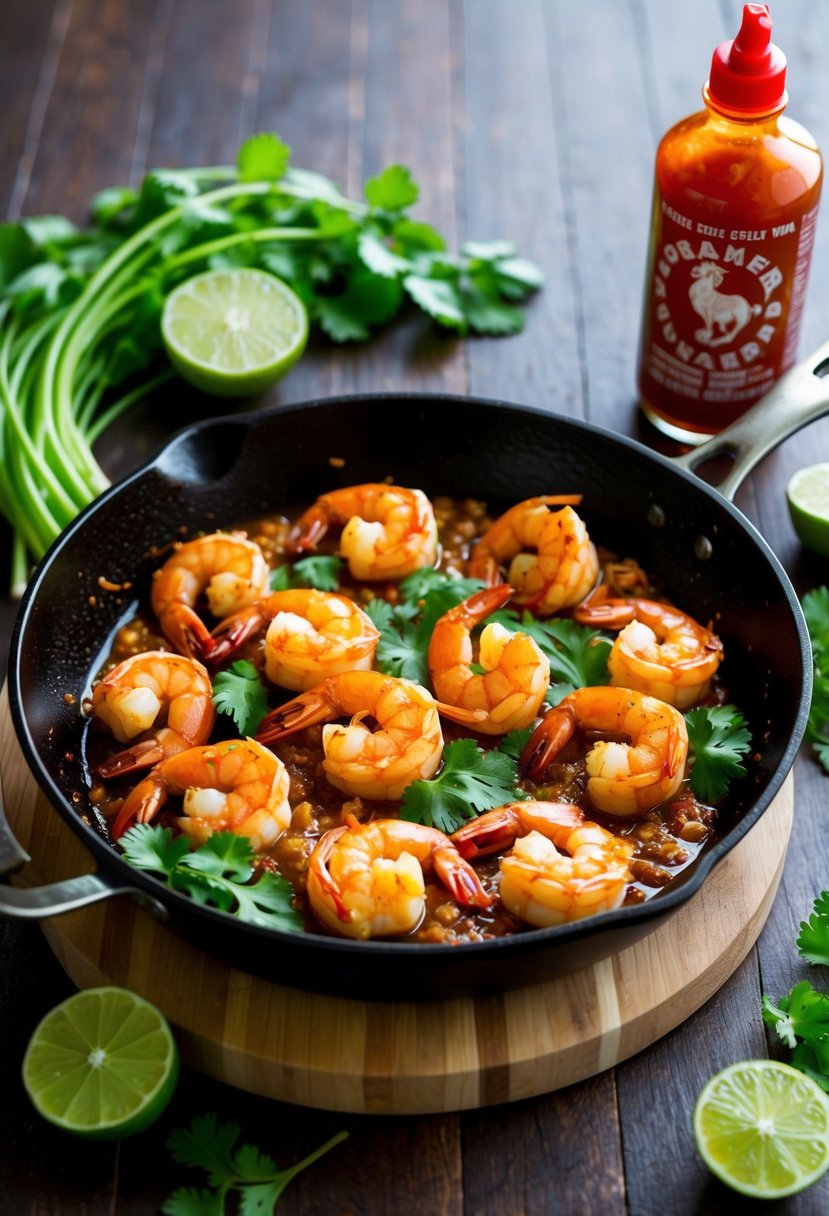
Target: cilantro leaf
x: 471, y: 781
x: 240, y: 693
x: 393, y: 190
x: 813, y: 939
x: 718, y: 738
x: 439, y: 299
x: 253, y: 1175
x: 317, y: 571
x: 802, y: 1016
x: 816, y: 610
x: 219, y: 873
x: 263, y: 157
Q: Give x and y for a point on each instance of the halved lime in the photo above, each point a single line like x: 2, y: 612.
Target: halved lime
x: 234, y: 333
x: 807, y: 494
x: 763, y: 1128
x: 103, y: 1064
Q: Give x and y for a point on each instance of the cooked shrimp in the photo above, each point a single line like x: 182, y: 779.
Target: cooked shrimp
x: 366, y: 879
x: 516, y: 672
x: 233, y: 786
x: 660, y: 650
x: 624, y: 778
x: 379, y: 764
x: 225, y: 566
x: 388, y: 531
x: 553, y: 564
x: 155, y: 689
x: 311, y: 635
x: 561, y: 868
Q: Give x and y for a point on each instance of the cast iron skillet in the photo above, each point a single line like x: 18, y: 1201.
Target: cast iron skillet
x: 223, y: 471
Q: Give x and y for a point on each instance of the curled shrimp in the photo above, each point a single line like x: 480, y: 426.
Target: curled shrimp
x: 232, y: 786
x: 311, y: 635
x: 366, y: 879
x: 387, y: 531
x: 226, y: 567
x: 561, y: 868
x: 624, y: 778
x: 406, y: 745
x: 552, y: 563
x: 659, y: 650
x: 516, y: 672
x: 169, y: 694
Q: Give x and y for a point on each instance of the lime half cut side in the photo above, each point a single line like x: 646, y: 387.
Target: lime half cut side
x: 234, y: 333
x: 763, y: 1128
x: 807, y: 494
x: 102, y: 1064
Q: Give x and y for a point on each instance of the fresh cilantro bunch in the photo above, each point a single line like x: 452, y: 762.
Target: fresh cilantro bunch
x: 240, y: 1177
x: 801, y: 1018
x: 816, y: 610
x: 80, y: 309
x: 218, y: 874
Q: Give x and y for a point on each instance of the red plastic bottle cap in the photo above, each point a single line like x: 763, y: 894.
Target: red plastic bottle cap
x: 748, y: 74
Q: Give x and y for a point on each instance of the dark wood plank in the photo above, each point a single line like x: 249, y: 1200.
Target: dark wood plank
x: 514, y: 191
x: 530, y: 1171
x: 31, y: 38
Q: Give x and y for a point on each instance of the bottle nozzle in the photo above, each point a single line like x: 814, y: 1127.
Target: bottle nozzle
x: 748, y: 74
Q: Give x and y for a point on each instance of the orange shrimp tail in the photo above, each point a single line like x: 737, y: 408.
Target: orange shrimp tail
x: 464, y: 717
x: 231, y: 633
x: 549, y: 737
x: 308, y: 530
x: 603, y: 612
x: 139, y: 755
x: 319, y: 867
x: 489, y: 833
x: 483, y: 603
x: 186, y: 631
x: 304, y: 710
x: 141, y: 805
x: 460, y: 879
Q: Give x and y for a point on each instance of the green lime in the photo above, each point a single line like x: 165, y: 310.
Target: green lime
x: 234, y: 333
x: 103, y: 1064
x: 763, y: 1128
x: 807, y: 494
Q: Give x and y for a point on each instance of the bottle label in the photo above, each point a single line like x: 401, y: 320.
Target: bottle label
x: 725, y: 305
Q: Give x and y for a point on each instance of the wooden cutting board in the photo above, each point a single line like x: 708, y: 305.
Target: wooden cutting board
x: 418, y: 1058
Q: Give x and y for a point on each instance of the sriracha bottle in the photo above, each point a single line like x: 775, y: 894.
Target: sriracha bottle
x: 735, y: 203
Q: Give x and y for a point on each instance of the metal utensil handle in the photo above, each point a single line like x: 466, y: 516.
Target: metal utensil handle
x: 34, y: 903
x: 800, y: 396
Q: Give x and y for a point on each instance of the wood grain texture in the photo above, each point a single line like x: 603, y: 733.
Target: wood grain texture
x: 395, y: 1058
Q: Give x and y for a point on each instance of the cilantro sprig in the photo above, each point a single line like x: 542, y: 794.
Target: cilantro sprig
x: 406, y: 627
x: 237, y: 1174
x: 718, y: 739
x: 471, y: 781
x: 239, y: 692
x: 320, y: 572
x: 217, y: 874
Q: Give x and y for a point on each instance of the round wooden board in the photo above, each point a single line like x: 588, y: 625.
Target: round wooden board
x: 418, y: 1058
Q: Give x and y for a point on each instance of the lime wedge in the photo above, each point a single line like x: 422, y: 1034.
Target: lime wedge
x: 807, y: 494
x: 763, y: 1128
x: 234, y: 333
x: 103, y: 1064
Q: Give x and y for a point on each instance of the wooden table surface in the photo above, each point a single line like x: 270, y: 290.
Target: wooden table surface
x: 535, y: 120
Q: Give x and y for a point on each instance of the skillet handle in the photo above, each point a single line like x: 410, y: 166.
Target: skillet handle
x: 800, y: 396
x: 35, y: 903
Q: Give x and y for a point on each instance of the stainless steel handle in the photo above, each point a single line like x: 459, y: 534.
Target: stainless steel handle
x: 800, y: 396
x: 35, y: 903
